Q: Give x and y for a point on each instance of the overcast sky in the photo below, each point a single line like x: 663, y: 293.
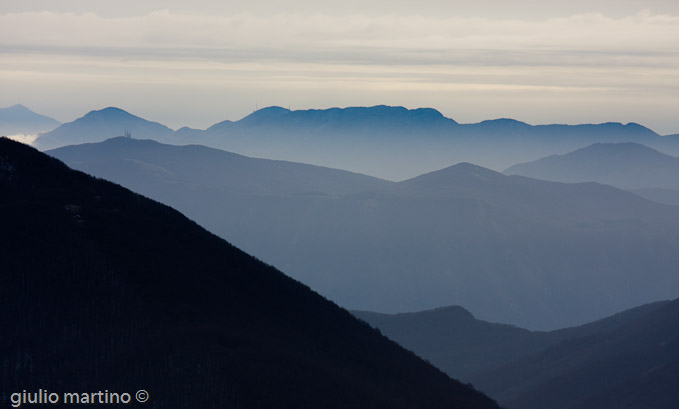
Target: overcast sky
x: 196, y: 63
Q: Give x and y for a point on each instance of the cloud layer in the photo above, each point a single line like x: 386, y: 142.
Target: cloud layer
x: 385, y: 39
x: 606, y: 60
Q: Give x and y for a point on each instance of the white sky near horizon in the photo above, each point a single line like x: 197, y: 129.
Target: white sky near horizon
x: 197, y: 63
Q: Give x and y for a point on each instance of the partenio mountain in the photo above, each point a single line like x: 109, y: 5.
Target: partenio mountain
x: 103, y: 289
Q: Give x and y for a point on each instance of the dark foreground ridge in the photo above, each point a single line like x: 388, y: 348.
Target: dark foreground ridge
x: 103, y: 289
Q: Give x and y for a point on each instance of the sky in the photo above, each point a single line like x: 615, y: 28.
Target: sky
x: 200, y: 62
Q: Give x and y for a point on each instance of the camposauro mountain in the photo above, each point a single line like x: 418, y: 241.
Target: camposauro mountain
x: 103, y: 289
x: 99, y: 125
x: 627, y: 361
x: 542, y: 255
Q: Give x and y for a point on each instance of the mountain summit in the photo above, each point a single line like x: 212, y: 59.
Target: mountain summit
x: 99, y: 125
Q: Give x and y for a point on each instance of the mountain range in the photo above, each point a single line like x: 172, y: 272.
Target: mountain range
x: 393, y: 143
x: 629, y: 166
x: 629, y: 360
x: 104, y: 289
x: 511, y: 249
x: 19, y: 120
x: 548, y: 245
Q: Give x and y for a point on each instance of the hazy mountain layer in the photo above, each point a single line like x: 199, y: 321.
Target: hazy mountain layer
x: 666, y: 196
x: 629, y: 360
x: 511, y: 249
x: 389, y: 142
x: 633, y: 365
x: 462, y: 345
x: 624, y: 165
x: 103, y: 289
x: 211, y: 168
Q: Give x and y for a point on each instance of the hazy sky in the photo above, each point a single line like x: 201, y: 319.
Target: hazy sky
x: 196, y: 63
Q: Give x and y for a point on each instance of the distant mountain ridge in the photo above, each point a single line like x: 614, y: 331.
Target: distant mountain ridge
x: 103, y: 289
x: 18, y: 119
x: 389, y: 142
x: 511, y: 249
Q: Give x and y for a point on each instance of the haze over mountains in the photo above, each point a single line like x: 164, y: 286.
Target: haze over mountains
x: 103, y: 289
x: 629, y: 360
x: 511, y: 249
x: 388, y: 142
